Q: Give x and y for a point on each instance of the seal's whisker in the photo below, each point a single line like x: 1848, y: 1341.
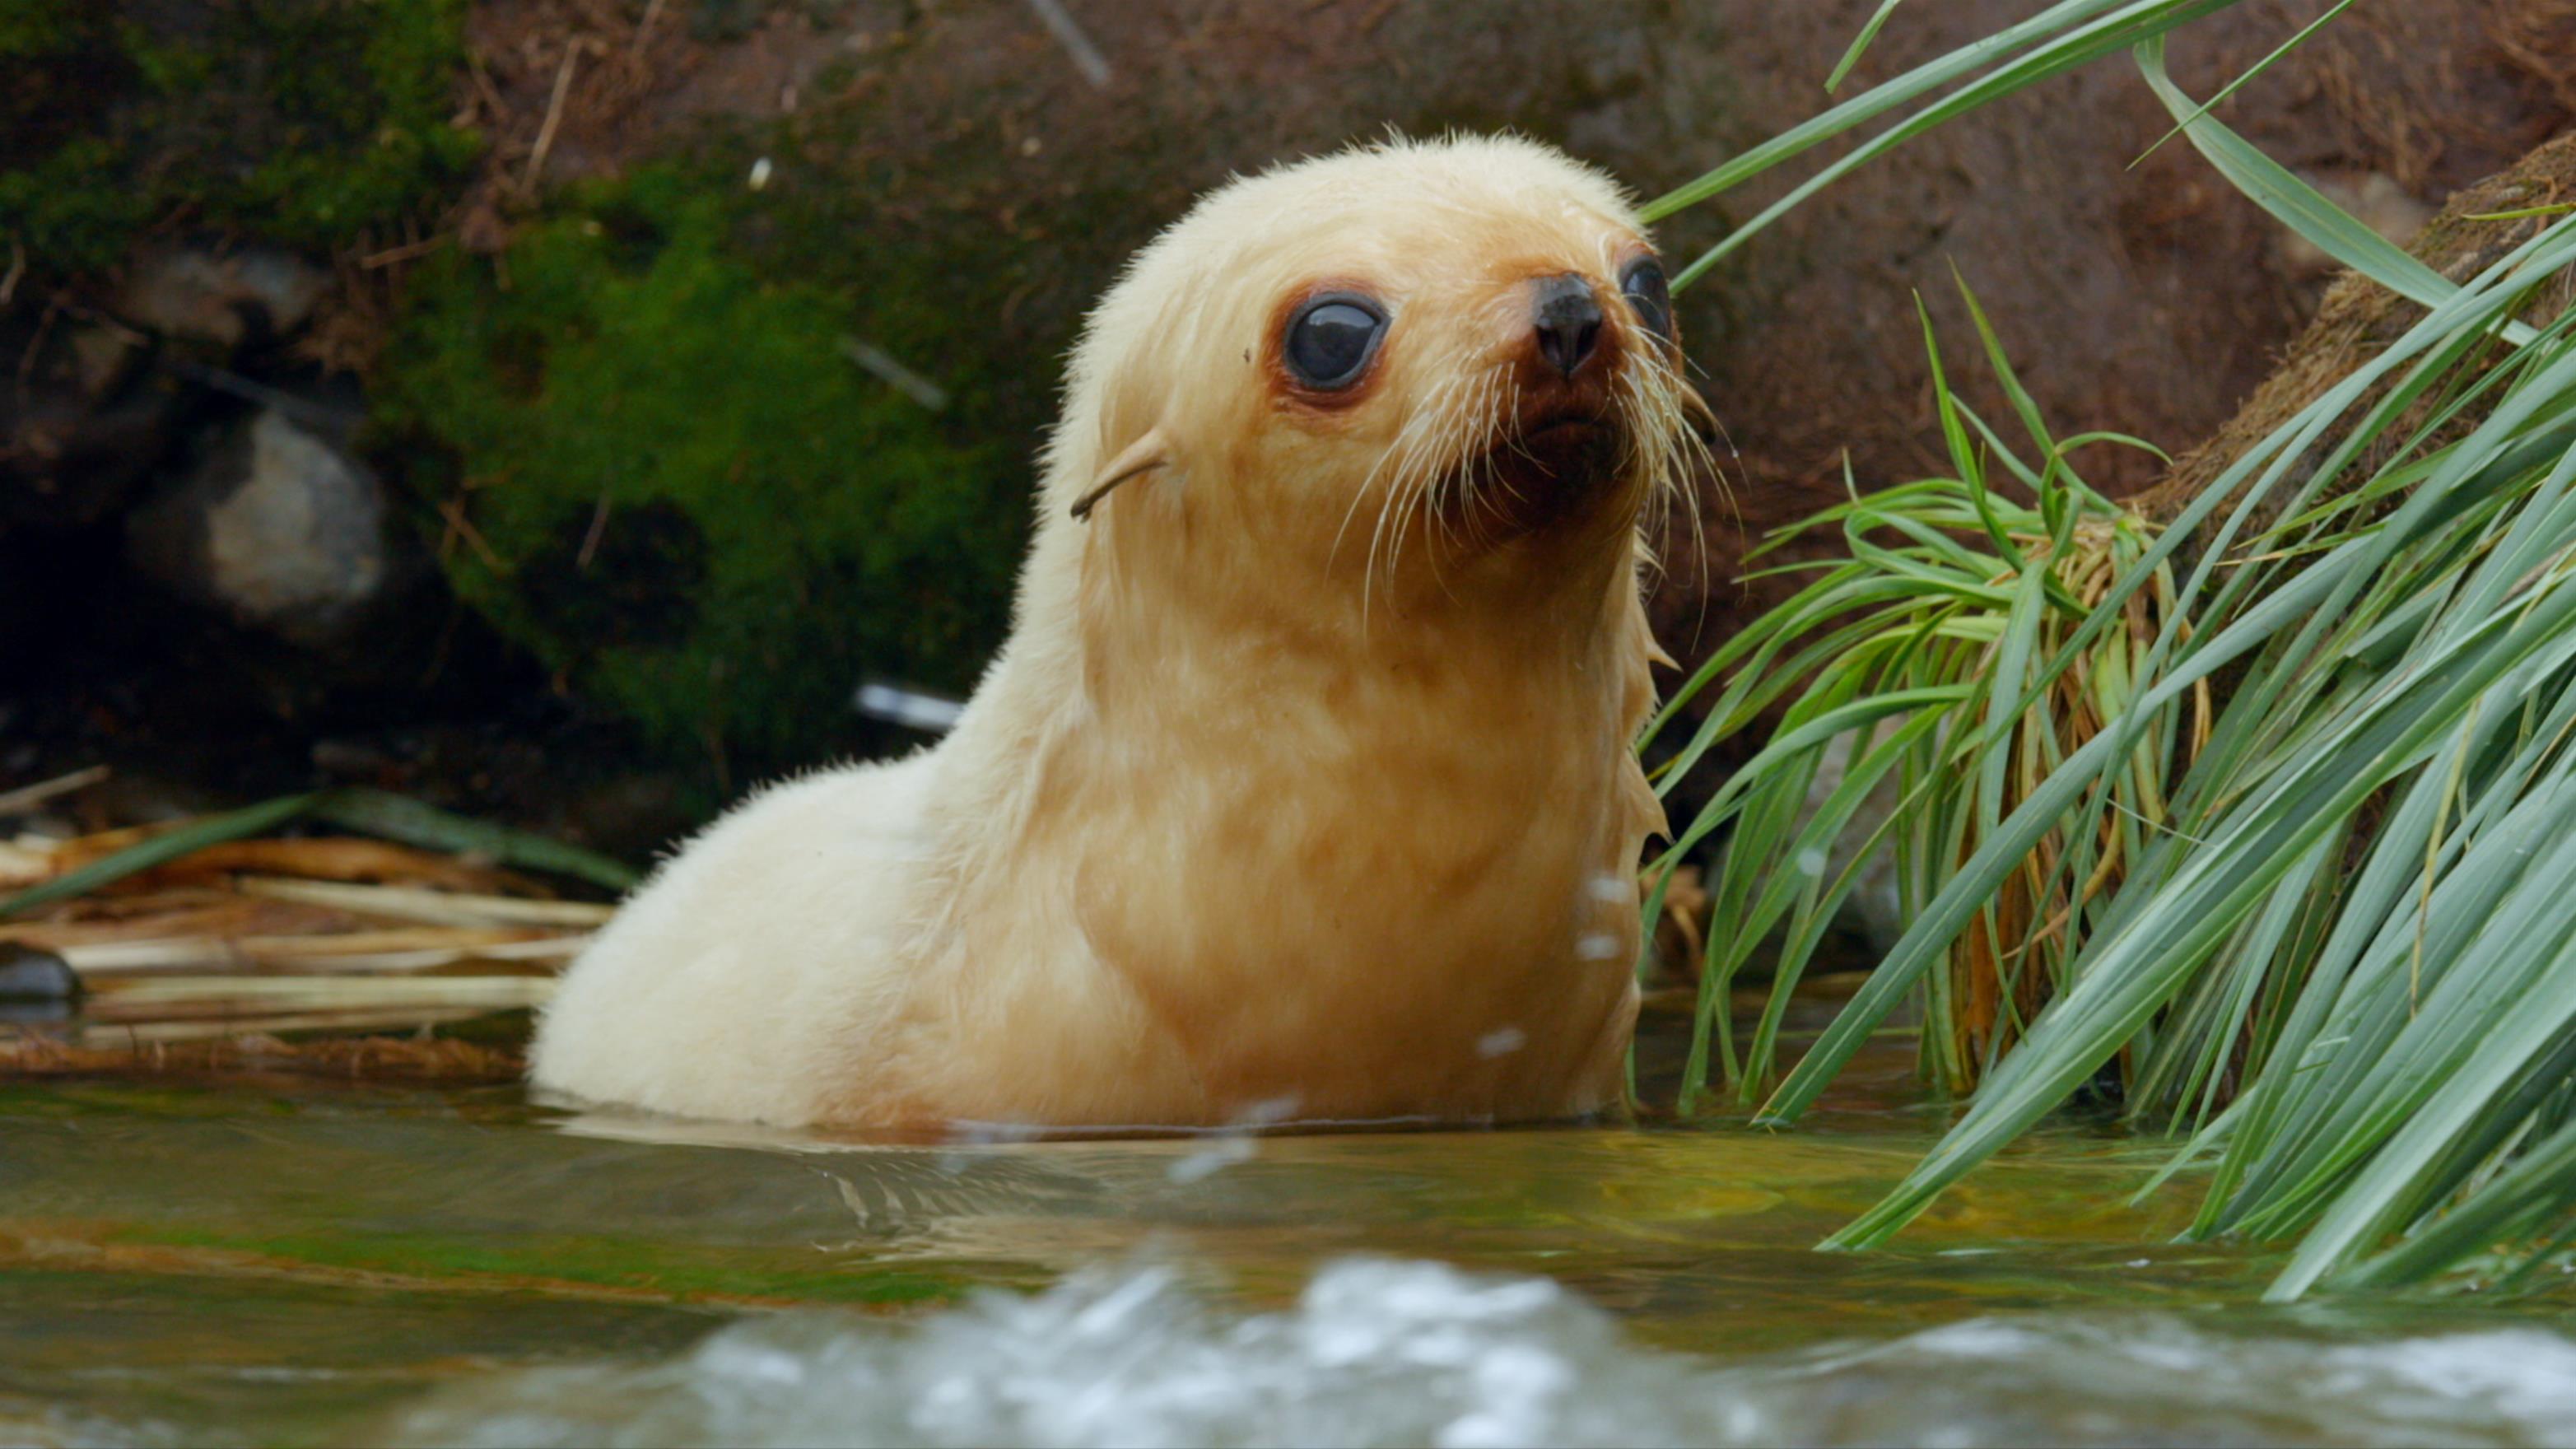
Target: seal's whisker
x: 1497, y: 477
x: 1396, y: 458
x: 1640, y: 452
x: 1407, y: 448
x: 1470, y: 491
x: 1691, y: 455
x: 1664, y: 444
x: 1648, y: 408
x: 1479, y: 471
x: 1362, y: 491
x: 1391, y: 456
x: 1437, y: 468
x: 1453, y: 468
x: 1512, y: 409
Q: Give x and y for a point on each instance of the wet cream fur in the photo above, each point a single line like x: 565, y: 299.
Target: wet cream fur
x: 1303, y: 786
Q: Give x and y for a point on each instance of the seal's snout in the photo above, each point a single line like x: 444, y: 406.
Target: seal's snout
x: 1567, y: 321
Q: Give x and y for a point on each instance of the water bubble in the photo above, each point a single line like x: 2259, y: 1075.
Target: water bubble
x: 1613, y: 888
x: 1811, y: 863
x: 1268, y: 1112
x: 966, y: 1139
x: 964, y: 1133
x: 1235, y: 1143
x: 1502, y: 1041
x: 1219, y: 1154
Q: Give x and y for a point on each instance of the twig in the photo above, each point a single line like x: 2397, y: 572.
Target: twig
x: 1086, y: 56
x: 323, y: 993
x: 894, y: 374
x: 302, y: 957
x: 499, y: 943
x: 404, y: 253
x: 17, y: 269
x: 312, y: 414
x: 590, y: 539
x: 644, y: 27
x: 483, y: 87
x: 28, y: 797
x: 458, y: 526
x: 36, y: 344
x: 554, y: 117
x: 150, y: 1033
x: 443, y: 908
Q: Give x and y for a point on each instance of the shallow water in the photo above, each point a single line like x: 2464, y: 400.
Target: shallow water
x: 319, y: 1264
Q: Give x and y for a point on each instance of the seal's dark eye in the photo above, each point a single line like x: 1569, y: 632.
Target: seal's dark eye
x: 1330, y: 342
x: 1643, y: 283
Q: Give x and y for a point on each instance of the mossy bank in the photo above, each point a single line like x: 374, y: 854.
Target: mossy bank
x: 603, y: 272
x: 645, y: 449
x: 305, y: 124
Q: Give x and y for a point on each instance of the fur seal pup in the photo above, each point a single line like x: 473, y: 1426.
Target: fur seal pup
x: 1303, y: 789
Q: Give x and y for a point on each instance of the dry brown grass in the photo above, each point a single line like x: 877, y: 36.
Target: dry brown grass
x: 320, y: 955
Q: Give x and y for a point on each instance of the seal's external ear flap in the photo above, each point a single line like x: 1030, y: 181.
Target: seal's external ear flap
x: 1142, y: 456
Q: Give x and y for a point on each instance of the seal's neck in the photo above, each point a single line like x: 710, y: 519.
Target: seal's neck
x: 1160, y: 651
x: 1276, y: 816
x: 1220, y: 610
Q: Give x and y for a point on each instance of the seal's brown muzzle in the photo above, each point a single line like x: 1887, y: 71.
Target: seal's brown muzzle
x: 1567, y: 365
x: 1564, y: 419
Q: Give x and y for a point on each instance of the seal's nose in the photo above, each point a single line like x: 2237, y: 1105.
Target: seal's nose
x: 1567, y: 320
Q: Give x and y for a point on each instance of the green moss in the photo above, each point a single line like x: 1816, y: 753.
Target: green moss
x: 696, y: 507
x: 304, y: 123
x: 38, y: 29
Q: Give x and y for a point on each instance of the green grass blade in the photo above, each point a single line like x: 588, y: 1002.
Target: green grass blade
x: 398, y: 817
x: 2087, y: 43
x: 2306, y: 33
x: 1860, y: 44
x: 370, y: 812
x: 2300, y: 206
x: 161, y: 849
x: 1875, y: 102
x: 2141, y: 967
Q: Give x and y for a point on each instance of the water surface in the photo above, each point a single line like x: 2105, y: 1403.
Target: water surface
x: 317, y: 1263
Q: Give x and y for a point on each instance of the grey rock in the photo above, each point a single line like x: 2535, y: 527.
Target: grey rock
x: 278, y: 526
x: 37, y: 987
x: 30, y: 973
x: 86, y: 422
x: 222, y: 297
x: 2374, y: 198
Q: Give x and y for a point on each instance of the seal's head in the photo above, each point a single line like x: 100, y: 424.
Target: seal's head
x: 1460, y: 351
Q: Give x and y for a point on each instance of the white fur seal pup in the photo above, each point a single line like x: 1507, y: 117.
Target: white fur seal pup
x: 1304, y: 787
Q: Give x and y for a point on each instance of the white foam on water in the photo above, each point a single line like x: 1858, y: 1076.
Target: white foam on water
x: 1380, y: 1352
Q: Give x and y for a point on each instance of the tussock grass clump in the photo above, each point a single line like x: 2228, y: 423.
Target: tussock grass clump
x: 1953, y: 622
x: 2263, y: 802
